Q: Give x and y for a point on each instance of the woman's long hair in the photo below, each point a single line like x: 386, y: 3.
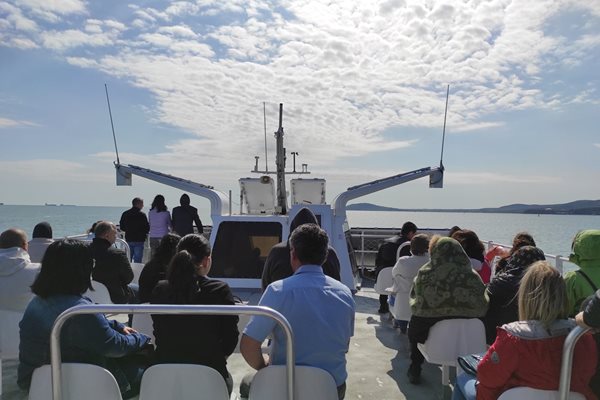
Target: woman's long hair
x: 181, y: 274
x: 542, y: 294
x: 158, y: 203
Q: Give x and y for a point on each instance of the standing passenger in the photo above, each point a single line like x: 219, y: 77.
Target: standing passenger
x: 319, y: 309
x: 387, y: 256
x: 191, y: 339
x: 42, y: 238
x: 160, y: 222
x: 185, y: 216
x: 136, y: 227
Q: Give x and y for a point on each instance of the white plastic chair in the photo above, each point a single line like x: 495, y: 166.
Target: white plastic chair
x: 384, y: 281
x: 400, y: 248
x: 311, y: 384
x: 182, y: 381
x: 137, y: 271
x: 79, y: 381
x: 143, y: 323
x: 401, y: 308
x: 100, y: 294
x: 9, y: 337
x: 526, y: 393
x: 451, y: 338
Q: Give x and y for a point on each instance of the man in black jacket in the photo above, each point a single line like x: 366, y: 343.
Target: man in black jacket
x: 135, y: 224
x: 387, y: 257
x: 111, y: 266
x: 185, y: 216
x: 278, y: 265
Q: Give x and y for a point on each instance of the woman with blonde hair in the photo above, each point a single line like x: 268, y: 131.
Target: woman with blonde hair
x: 528, y: 352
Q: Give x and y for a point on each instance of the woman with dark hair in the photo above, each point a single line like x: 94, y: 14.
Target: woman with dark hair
x: 41, y: 239
x: 159, y: 219
x: 63, y: 278
x: 205, y: 340
x: 155, y: 270
x: 474, y: 248
x: 521, y: 239
x: 503, y: 288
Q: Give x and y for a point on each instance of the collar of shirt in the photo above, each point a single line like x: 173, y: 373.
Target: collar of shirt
x: 309, y: 269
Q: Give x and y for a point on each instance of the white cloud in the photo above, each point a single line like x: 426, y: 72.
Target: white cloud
x: 17, y: 19
x: 64, y: 40
x: 13, y: 123
x: 180, y: 30
x: 597, y: 145
x: 51, y: 170
x: 64, y: 7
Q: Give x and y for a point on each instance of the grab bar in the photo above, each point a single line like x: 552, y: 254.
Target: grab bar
x: 55, y: 352
x: 567, y: 361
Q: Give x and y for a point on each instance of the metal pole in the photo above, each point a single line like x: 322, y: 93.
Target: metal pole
x: 55, y: 353
x: 444, y: 130
x: 564, y: 383
x: 230, y: 198
x: 111, y: 124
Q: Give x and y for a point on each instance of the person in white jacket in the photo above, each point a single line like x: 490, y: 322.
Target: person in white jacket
x: 404, y: 272
x: 17, y: 273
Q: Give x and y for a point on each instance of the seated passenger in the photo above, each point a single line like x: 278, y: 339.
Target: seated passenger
x: 155, y: 270
x: 190, y: 339
x: 529, y: 352
x: 502, y: 290
x: 42, y: 238
x: 590, y: 318
x: 521, y: 239
x: 64, y: 277
x: 17, y: 273
x: 475, y: 250
x: 445, y: 288
x: 404, y: 273
x: 277, y: 265
x: 583, y: 282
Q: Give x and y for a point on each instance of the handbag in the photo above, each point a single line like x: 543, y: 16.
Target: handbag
x: 469, y: 363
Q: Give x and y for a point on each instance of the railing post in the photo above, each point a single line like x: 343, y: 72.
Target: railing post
x: 558, y: 263
x: 362, y: 249
x: 567, y: 361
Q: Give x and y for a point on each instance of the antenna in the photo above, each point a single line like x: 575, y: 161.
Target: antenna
x: 111, y: 124
x: 444, y: 130
x: 265, y: 125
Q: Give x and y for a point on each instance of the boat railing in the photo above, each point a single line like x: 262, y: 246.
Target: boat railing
x: 564, y: 385
x: 55, y: 351
x: 366, y: 241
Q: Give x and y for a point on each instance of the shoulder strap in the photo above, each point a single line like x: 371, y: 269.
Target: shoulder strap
x: 587, y: 278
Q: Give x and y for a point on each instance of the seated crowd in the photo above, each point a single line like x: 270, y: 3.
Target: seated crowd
x: 524, y: 305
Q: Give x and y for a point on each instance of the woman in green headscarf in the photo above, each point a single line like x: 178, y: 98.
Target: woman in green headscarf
x: 586, y: 280
x: 444, y: 288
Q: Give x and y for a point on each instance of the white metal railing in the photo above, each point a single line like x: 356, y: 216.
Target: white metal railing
x: 558, y: 260
x: 55, y: 352
x: 564, y: 383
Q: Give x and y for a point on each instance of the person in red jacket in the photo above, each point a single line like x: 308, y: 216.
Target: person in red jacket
x: 529, y: 352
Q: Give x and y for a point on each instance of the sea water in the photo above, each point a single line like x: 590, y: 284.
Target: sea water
x: 552, y: 233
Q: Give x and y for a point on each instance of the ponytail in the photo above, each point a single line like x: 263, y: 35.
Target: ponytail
x: 181, y: 276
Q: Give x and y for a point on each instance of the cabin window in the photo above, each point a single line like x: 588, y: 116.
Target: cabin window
x: 241, y: 248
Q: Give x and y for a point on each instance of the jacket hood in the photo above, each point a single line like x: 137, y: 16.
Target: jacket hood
x: 304, y: 216
x: 13, y: 260
x: 533, y: 330
x: 586, y: 248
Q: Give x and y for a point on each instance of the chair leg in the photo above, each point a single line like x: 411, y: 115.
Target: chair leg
x: 0, y: 375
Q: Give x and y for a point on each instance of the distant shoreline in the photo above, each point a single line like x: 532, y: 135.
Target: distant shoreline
x: 579, y: 207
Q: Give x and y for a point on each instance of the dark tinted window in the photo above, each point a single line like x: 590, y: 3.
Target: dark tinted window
x: 241, y: 248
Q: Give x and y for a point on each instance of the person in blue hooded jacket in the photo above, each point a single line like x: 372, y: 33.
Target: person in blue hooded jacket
x: 91, y: 338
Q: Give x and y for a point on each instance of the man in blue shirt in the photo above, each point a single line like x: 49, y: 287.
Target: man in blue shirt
x: 319, y: 309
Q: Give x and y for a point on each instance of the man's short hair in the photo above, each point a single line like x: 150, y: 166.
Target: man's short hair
x: 419, y: 244
x: 184, y: 200
x: 136, y: 201
x: 13, y: 237
x: 407, y: 228
x: 103, y: 228
x: 310, y: 243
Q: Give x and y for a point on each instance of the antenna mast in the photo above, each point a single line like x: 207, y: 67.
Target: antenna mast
x: 265, y: 125
x: 444, y: 130
x: 111, y: 124
x: 280, y: 162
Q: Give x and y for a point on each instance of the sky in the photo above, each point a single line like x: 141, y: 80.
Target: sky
x: 363, y: 85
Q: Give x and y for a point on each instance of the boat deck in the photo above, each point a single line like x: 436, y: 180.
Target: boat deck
x: 377, y: 360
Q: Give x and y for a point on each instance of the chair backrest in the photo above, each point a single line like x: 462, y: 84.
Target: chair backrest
x: 100, y: 294
x: 182, y: 381
x: 79, y: 381
x: 137, y: 271
x: 143, y: 323
x: 401, y: 247
x: 526, y: 393
x: 311, y: 384
x: 9, y: 334
x: 384, y: 281
x: 451, y: 338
